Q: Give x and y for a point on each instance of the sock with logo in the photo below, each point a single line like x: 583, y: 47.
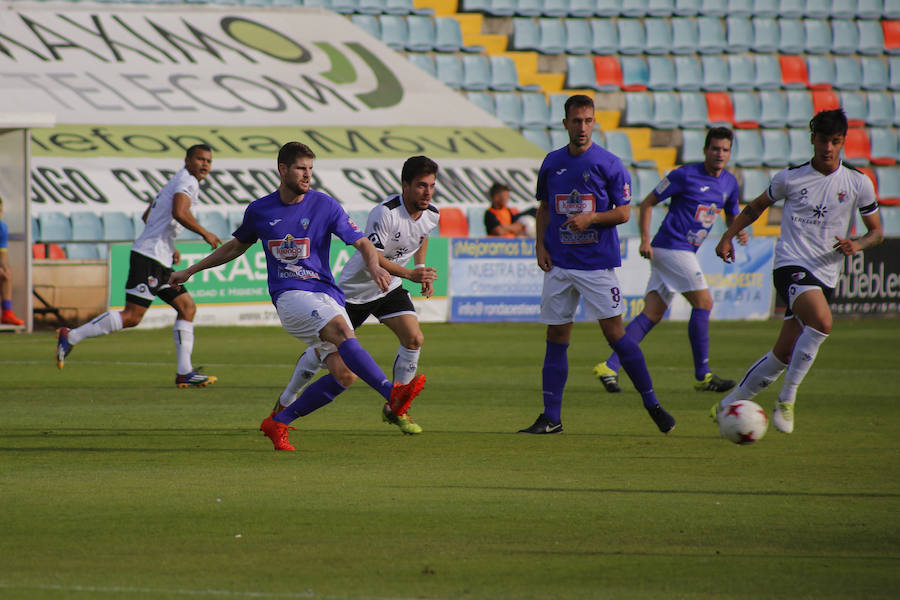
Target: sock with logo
x: 307, y: 366
x: 759, y: 376
x: 405, y: 364
x: 804, y: 354
x: 183, y: 332
x: 108, y: 322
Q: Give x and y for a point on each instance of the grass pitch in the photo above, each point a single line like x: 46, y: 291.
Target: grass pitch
x: 115, y: 484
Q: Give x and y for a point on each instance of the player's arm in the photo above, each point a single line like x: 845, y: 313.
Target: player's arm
x: 644, y: 219
x: 372, y: 258
x: 541, y: 219
x: 419, y: 262
x: 751, y: 212
x: 742, y: 236
x: 181, y: 212
x: 4, y: 266
x: 225, y: 253
x: 874, y: 236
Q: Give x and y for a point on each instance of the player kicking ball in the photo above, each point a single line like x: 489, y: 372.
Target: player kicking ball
x: 398, y: 227
x: 295, y: 225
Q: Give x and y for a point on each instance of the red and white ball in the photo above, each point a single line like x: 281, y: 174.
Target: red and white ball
x: 743, y: 422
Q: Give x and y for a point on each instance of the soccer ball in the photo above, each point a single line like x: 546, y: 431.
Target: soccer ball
x: 743, y: 422
x: 530, y: 225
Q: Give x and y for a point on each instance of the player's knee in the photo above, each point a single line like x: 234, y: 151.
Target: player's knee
x: 130, y: 319
x: 345, y: 377
x: 413, y: 341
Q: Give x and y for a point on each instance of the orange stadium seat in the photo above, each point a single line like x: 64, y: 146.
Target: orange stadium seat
x: 719, y: 107
x: 825, y: 100
x: 608, y: 72
x: 857, y: 149
x: 454, y: 222
x: 891, y: 36
x: 793, y: 72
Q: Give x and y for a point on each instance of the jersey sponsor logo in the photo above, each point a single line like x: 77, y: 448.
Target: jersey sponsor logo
x: 662, y: 185
x: 289, y: 249
x: 353, y: 225
x: 574, y: 203
x: 274, y: 222
x: 706, y: 214
x: 561, y: 171
x: 820, y: 210
x: 704, y: 188
x: 626, y: 191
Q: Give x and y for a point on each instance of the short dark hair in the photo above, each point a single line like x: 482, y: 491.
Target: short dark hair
x: 718, y: 133
x: 195, y: 147
x: 497, y: 188
x: 291, y: 151
x: 416, y: 166
x: 578, y: 100
x: 829, y: 122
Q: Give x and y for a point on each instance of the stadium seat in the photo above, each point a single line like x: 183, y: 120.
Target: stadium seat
x: 768, y: 72
x: 717, y: 8
x: 580, y: 74
x: 857, y: 148
x: 505, y: 75
x: 748, y: 149
x: 500, y: 8
x: 186, y: 235
x: 559, y: 138
x: 840, y: 9
x: 793, y: 72
x: 534, y: 110
x: 86, y: 226
x: 660, y: 8
x: 799, y: 108
x: 476, y: 73
x: 55, y: 227
x: 83, y: 251
x: 235, y: 218
x: 638, y: 109
x: 603, y: 8
x: 216, y: 222
x: 666, y: 110
x: 753, y: 183
x: 746, y: 110
x: 741, y: 72
x: 818, y: 36
x: 765, y: 35
x: 791, y: 36
x: 847, y: 73
x: 688, y: 73
x: 344, y: 7
x: 552, y: 35
x: 720, y: 109
x: 687, y: 8
x: 424, y: 62
x: 766, y: 8
x: 631, y: 35
x: 684, y: 36
x: 646, y: 180
x: 509, y: 109
x: 871, y: 37
x: 368, y: 23
x: 555, y: 8
x: 448, y: 36
x: 888, y: 186
x: 537, y: 136
x: 604, y: 36
x: 453, y: 222
x: 821, y: 72
x: 529, y: 8
x: 775, y: 148
x: 844, y: 37
x: 854, y: 105
x: 874, y: 73
x: 773, y: 109
x: 891, y: 32
x: 715, y: 72
x: 661, y: 73
x: 792, y: 9
x: 557, y: 103
x: 891, y: 10
x: 526, y: 34
x: 825, y: 100
x: 883, y: 149
x: 691, y: 150
x: 483, y: 100
x: 475, y: 217
x: 879, y: 109
x: 635, y: 75
x: 693, y: 110
x: 894, y: 73
x: 404, y: 7
x: 394, y: 31
x: 710, y: 35
x: 117, y: 226
x: 619, y: 144
x: 633, y: 8
x: 449, y: 70
x: 658, y: 34
x: 799, y: 147
x: 738, y: 34
x: 608, y: 73
x: 896, y: 99
x: 578, y: 36
x: 890, y: 220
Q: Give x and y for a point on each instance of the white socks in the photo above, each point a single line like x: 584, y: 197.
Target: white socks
x: 183, y: 332
x: 763, y: 373
x: 805, y: 349
x: 307, y: 366
x: 108, y: 322
x: 405, y: 365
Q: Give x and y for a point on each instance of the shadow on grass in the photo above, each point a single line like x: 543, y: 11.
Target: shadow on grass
x: 558, y: 490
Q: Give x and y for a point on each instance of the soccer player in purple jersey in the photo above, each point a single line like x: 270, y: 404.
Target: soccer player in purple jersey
x: 820, y: 198
x: 584, y: 193
x: 697, y: 193
x: 295, y: 225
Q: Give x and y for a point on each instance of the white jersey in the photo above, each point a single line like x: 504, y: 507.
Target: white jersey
x: 817, y: 209
x: 158, y: 238
x: 396, y: 235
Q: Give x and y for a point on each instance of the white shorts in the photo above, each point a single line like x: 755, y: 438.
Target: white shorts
x: 303, y: 315
x: 674, y: 272
x: 564, y: 287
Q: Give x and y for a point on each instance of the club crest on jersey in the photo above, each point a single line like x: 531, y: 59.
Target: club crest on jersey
x: 289, y: 249
x: 304, y: 222
x: 152, y: 281
x: 574, y: 203
x: 586, y: 176
x: 626, y: 191
x: 842, y: 195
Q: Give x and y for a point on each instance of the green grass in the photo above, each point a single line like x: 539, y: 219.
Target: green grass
x: 115, y: 484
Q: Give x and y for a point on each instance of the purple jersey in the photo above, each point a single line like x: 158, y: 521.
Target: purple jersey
x: 297, y: 240
x: 594, y: 181
x: 697, y: 197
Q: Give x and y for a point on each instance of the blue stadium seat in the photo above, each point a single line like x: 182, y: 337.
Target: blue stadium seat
x: 505, y: 76
x: 404, y: 7
x: 393, y: 31
x: 710, y: 35
x: 799, y: 108
x: 791, y: 36
x: 889, y: 187
x: 475, y: 217
x: 879, y: 109
x: 817, y: 9
x: 694, y: 113
x: 799, y: 147
x: 604, y: 36
x: 715, y: 72
x: 526, y: 34
x: 687, y: 8
x: 684, y: 36
x: 537, y: 136
x: 661, y: 73
x: 739, y: 34
x: 552, y: 34
x: 580, y: 74
x: 883, y: 144
x: 746, y: 109
x: 85, y: 226
x: 449, y: 70
x: 768, y: 72
x: 638, y: 109
x: 896, y: 97
x: 716, y: 8
x: 632, y: 38
x: 555, y: 8
x: 844, y: 37
x: 344, y: 7
x: 748, y: 148
x: 874, y: 73
x: 619, y: 144
x: 557, y: 103
x: 500, y: 8
x: 367, y: 7
x: 775, y: 147
x: 894, y: 73
x: 818, y: 36
x: 773, y: 109
x: 602, y: 8
x: 186, y: 235
x: 691, y: 149
x: 634, y: 72
x: 235, y: 218
x: 535, y: 112
x: 741, y: 72
x: 646, y: 180
x: 765, y: 35
x: 578, y: 36
x: 658, y: 34
x: 766, y: 8
x: 666, y: 110
x: 891, y: 9
x: 476, y: 73
x: 448, y: 36
x: 367, y: 23
x: 529, y: 8
x: 854, y: 105
x: 688, y: 73
x: 82, y: 251
x: 660, y: 8
x: 821, y: 70
x: 117, y: 226
x: 216, y: 222
x: 792, y: 9
x: 753, y: 183
x: 847, y: 73
x: 890, y: 215
x: 871, y: 37
x: 840, y: 9
x: 483, y: 100
x: 509, y: 109
x: 559, y: 138
x: 424, y: 62
x: 633, y: 8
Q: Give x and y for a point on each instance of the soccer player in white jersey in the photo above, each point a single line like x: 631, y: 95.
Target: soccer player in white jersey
x: 399, y: 228
x: 295, y: 225
x: 152, y: 256
x: 820, y: 199
x: 696, y: 193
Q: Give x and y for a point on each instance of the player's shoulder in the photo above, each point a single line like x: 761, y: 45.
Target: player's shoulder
x: 392, y: 202
x: 853, y: 173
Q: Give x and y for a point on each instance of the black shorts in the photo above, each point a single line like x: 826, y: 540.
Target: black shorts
x: 396, y: 302
x: 148, y: 278
x: 785, y: 277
